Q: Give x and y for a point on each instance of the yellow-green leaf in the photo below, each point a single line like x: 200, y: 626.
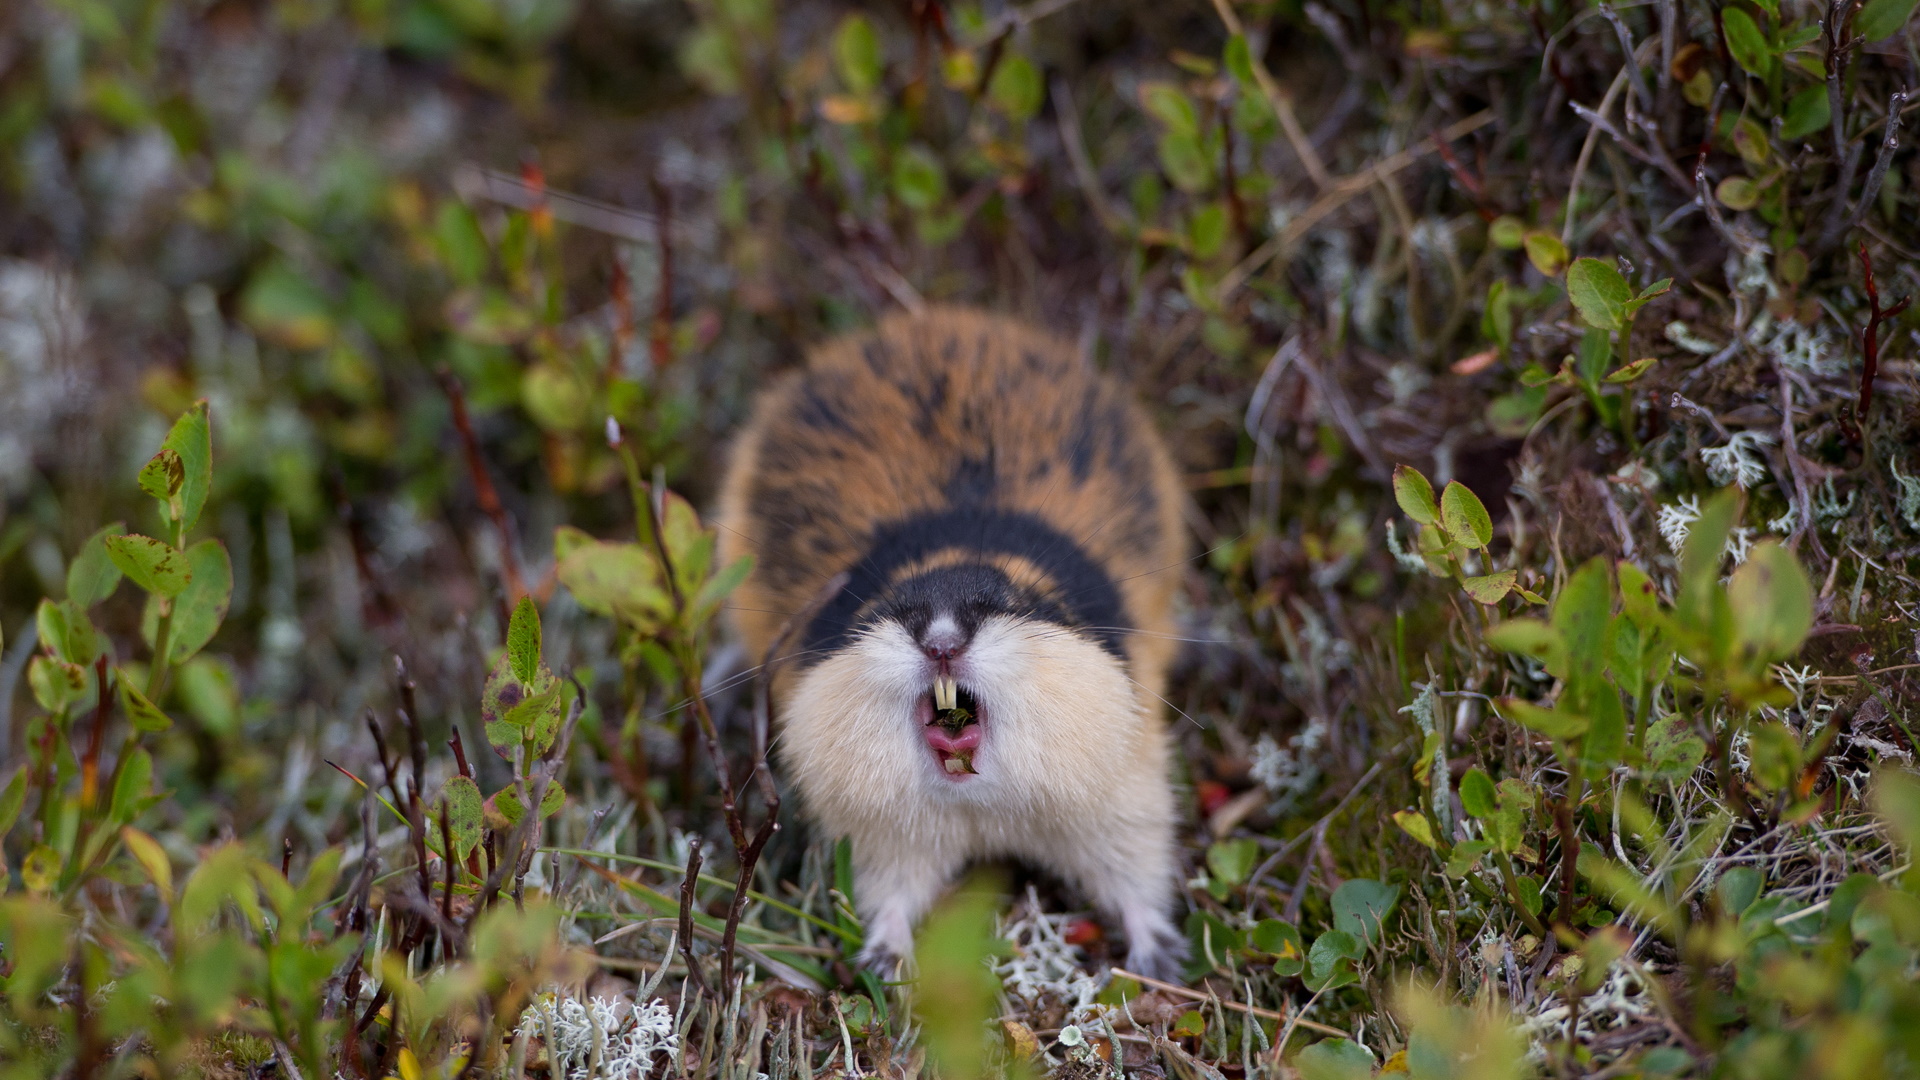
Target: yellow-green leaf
x: 156, y: 567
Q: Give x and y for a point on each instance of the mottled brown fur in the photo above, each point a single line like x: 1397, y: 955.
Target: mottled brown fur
x: 949, y: 409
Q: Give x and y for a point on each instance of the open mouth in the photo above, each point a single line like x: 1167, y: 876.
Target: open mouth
x: 952, y: 728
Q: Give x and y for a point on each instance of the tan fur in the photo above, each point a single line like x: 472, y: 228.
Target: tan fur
x: 923, y: 415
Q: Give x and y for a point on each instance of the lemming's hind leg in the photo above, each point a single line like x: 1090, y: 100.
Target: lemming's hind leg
x: 1130, y: 878
x: 895, y: 883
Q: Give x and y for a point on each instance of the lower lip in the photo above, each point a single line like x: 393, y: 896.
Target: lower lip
x: 947, y: 746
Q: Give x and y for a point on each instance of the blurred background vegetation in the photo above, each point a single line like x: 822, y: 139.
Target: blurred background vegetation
x: 467, y: 284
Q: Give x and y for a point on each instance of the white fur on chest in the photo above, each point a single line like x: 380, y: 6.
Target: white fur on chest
x: 1071, y: 773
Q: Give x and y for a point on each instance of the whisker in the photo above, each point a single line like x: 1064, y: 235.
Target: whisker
x: 1164, y: 701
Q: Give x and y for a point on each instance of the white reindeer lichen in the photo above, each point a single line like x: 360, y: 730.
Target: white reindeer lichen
x: 1045, y: 965
x: 1737, y: 463
x: 601, y: 1038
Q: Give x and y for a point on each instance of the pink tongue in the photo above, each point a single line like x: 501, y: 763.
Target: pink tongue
x: 940, y: 739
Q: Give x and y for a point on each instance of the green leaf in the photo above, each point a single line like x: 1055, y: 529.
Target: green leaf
x: 717, y: 588
x: 1492, y: 588
x: 462, y: 246
x: 1414, y: 494
x: 919, y: 181
x: 56, y: 684
x: 211, y: 693
x: 1282, y: 942
x: 1238, y: 58
x: 1015, y: 88
x: 1673, y: 750
x: 65, y: 628
x: 1599, y: 293
x: 1496, y: 321
x: 523, y: 641
x: 1170, y: 105
x: 506, y: 807
x: 143, y: 714
x: 1738, y: 888
x: 1638, y: 597
x: 1361, y: 906
x: 1737, y: 193
x: 1477, y: 794
x: 1334, y: 1059
x: 1545, y: 251
x: 1232, y: 860
x: 1647, y: 296
x: 1808, y: 111
x: 92, y: 577
x: 156, y: 567
x: 1185, y: 162
x: 567, y: 540
x: 689, y: 545
x: 1632, y: 371
x: 1330, y: 960
x: 617, y: 580
x: 1896, y: 799
x: 1746, y: 42
x: 1580, y: 616
x: 132, y: 787
x: 465, y: 814
x: 1531, y: 637
x: 1415, y: 824
x: 1772, y: 602
x: 285, y: 307
x: 1881, y: 19
x: 162, y: 478
x: 12, y: 797
x: 152, y: 858
x: 1605, y: 743
x: 1465, y: 518
x: 201, y: 608
x: 1466, y: 855
x: 1552, y: 723
x: 1508, y: 825
x: 1700, y: 561
x: 856, y: 54
x: 1527, y: 887
x: 1507, y: 233
x: 192, y: 438
x: 1775, y: 755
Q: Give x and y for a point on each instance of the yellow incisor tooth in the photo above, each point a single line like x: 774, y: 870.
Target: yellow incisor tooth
x: 945, y: 693
x: 955, y: 765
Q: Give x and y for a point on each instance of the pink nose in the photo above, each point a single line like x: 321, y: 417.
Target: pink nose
x: 966, y: 741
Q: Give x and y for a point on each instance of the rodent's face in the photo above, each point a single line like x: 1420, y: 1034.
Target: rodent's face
x: 1034, y: 712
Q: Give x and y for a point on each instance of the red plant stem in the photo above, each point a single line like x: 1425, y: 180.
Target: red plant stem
x: 1870, y: 341
x: 446, y: 856
x: 90, y: 766
x: 460, y: 754
x: 483, y: 489
x: 1467, y: 180
x: 662, y: 339
x: 622, y: 291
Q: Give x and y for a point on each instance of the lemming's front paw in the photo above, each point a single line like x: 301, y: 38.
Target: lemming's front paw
x: 888, y: 965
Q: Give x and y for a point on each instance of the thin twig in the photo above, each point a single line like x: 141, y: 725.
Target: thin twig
x: 1083, y: 171
x: 686, y: 916
x: 483, y: 489
x: 1282, y: 104
x: 1338, y: 195
x: 1195, y: 995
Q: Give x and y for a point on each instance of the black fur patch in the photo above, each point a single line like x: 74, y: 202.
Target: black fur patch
x: 1088, y: 596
